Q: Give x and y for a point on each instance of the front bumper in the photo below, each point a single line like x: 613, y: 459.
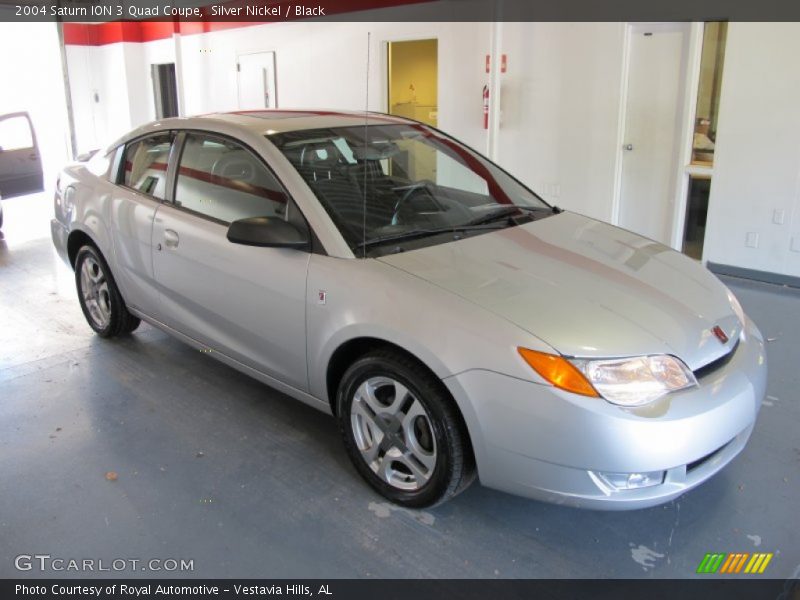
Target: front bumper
x: 540, y: 442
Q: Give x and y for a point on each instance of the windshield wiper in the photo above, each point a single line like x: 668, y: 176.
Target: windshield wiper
x: 478, y: 224
x: 509, y: 210
x: 420, y: 233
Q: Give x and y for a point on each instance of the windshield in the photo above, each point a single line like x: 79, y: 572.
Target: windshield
x: 394, y: 187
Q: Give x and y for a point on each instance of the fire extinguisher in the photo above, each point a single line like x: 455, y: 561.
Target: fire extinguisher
x: 486, y: 107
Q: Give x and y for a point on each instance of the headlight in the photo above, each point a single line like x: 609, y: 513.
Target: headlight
x: 559, y: 371
x: 737, y: 308
x: 623, y: 381
x: 636, y: 381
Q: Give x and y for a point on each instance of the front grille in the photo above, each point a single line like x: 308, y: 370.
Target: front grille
x: 716, y: 364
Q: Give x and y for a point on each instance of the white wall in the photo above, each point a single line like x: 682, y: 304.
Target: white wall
x: 99, y: 91
x: 31, y: 80
x: 120, y: 76
x: 139, y: 59
x: 560, y: 104
x: 323, y: 65
x: 757, y: 157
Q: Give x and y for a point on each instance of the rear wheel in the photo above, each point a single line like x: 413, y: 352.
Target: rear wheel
x: 101, y: 302
x: 402, y: 431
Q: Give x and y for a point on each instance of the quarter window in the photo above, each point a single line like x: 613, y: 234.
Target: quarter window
x: 223, y: 180
x: 146, y: 165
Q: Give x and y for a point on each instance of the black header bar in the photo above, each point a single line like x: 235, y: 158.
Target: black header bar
x: 274, y: 11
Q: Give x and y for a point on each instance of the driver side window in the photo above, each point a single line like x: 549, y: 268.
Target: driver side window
x: 223, y: 180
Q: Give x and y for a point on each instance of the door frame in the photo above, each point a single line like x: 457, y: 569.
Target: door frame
x: 385, y: 72
x: 685, y: 168
x: 158, y: 88
x: 687, y: 106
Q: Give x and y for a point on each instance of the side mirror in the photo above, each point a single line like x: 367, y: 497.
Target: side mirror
x: 268, y: 232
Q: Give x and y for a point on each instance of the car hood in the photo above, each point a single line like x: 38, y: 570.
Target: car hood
x: 586, y: 288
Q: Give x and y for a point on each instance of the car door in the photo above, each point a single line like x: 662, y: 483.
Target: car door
x: 244, y: 301
x: 20, y: 160
x: 141, y: 177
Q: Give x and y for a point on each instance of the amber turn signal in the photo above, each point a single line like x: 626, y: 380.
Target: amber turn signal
x: 558, y: 371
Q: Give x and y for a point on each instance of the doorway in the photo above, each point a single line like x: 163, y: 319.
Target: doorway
x: 413, y: 92
x: 258, y: 87
x: 654, y: 107
x: 413, y: 80
x: 165, y: 90
x: 704, y: 137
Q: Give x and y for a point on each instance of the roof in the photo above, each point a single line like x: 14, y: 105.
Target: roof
x: 266, y: 121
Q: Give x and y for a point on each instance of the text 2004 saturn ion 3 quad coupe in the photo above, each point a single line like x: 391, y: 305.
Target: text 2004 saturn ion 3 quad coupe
x: 452, y: 321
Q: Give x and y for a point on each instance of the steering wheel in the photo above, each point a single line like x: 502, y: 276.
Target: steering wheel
x: 423, y: 186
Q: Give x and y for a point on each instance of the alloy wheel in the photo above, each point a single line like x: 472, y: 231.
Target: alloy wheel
x: 95, y: 292
x: 393, y: 432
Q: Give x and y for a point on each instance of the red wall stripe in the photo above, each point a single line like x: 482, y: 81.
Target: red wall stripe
x: 101, y: 34
x: 112, y: 32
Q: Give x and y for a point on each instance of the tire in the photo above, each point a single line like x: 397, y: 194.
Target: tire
x: 100, y: 300
x: 402, y: 430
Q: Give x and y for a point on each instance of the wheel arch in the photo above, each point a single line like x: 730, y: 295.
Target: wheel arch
x: 347, y: 353
x: 75, y: 241
x: 350, y: 350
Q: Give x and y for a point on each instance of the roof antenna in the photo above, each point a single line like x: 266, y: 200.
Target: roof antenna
x: 366, y: 133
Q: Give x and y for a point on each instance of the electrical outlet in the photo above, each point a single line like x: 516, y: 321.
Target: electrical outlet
x: 778, y: 216
x: 751, y: 240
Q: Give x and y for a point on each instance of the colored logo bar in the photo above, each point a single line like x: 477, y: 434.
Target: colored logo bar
x: 735, y: 562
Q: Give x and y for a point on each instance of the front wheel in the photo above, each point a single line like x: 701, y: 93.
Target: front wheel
x: 101, y: 302
x: 402, y: 431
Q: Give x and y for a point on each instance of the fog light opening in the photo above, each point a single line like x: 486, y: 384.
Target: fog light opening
x: 632, y: 481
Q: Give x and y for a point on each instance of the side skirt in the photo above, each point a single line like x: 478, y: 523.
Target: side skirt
x: 300, y: 395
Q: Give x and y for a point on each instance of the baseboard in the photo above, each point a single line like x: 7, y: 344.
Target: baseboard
x: 754, y: 274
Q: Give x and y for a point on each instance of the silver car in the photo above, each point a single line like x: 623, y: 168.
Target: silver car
x: 454, y: 323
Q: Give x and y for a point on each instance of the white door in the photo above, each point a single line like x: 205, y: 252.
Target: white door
x: 20, y: 161
x: 654, y: 104
x: 257, y: 85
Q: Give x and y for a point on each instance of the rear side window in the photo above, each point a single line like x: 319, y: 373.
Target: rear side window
x: 145, y: 165
x: 223, y: 180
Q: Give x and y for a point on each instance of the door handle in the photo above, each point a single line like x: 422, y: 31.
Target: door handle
x: 628, y: 147
x: 171, y: 238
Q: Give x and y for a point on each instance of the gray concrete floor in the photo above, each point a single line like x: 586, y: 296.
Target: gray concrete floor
x: 215, y: 467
